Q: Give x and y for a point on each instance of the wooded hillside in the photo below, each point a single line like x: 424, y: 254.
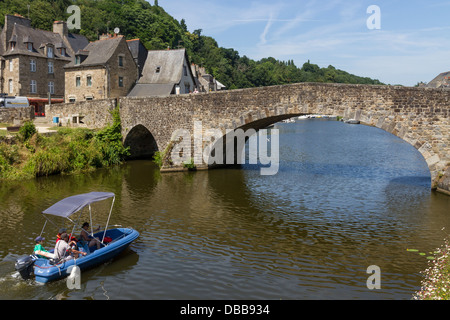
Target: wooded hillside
x: 158, y: 30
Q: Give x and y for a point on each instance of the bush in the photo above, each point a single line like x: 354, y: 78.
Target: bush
x: 109, y: 141
x: 27, y: 130
x: 158, y: 158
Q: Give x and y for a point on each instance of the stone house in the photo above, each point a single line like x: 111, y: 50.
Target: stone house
x: 165, y: 72
x: 205, y: 81
x: 32, y: 60
x: 103, y: 69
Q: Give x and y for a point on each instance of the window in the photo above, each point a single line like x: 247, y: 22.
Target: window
x: 49, y: 52
x: 89, y: 98
x: 13, y: 45
x: 72, y: 99
x: 51, y: 87
x: 121, y: 82
x: 50, y: 67
x: 30, y: 46
x: 63, y: 51
x: 11, y: 65
x: 120, y: 61
x: 158, y: 69
x: 77, y: 60
x: 33, y: 86
x: 33, y: 65
x: 89, y: 81
x: 78, y: 81
x: 10, y: 86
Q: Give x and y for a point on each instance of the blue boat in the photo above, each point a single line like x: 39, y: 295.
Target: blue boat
x: 112, y: 241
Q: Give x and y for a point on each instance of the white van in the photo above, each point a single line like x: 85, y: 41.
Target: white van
x: 14, y: 102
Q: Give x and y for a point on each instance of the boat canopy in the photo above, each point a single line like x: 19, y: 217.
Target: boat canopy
x: 68, y: 206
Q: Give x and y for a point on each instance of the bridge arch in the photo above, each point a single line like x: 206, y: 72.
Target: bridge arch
x: 141, y: 142
x: 255, y: 120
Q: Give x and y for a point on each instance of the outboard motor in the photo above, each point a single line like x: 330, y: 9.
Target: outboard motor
x: 25, y: 266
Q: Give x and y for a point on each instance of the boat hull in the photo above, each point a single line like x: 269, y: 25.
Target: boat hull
x: 122, y: 238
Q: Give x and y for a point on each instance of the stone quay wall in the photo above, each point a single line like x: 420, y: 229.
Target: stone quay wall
x: 89, y: 114
x: 16, y: 116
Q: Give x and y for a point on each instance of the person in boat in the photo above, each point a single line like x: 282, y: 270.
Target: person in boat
x: 40, y: 251
x: 65, y: 249
x: 85, y: 236
x: 64, y: 230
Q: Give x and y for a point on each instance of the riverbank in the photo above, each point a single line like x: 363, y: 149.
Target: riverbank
x: 436, y: 283
x: 30, y: 154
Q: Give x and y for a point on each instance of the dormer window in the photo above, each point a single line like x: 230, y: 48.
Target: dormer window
x: 61, y: 48
x: 28, y: 43
x: 49, y: 52
x: 12, y: 42
x: 80, y: 56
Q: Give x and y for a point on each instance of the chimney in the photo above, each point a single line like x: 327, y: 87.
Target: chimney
x: 60, y: 27
x: 104, y: 36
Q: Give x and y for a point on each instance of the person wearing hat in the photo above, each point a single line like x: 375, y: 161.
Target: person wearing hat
x: 40, y: 251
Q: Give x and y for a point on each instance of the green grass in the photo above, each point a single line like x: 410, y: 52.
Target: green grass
x: 68, y: 151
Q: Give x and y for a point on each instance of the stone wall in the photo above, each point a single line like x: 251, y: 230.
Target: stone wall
x: 88, y: 114
x: 16, y: 115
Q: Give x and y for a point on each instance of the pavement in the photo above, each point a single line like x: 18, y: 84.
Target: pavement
x: 41, y: 127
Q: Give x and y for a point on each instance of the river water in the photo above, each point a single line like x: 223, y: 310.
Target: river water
x: 346, y: 197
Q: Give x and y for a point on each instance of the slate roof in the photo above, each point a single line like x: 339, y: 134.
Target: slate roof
x: 139, y: 53
x: 162, y: 83
x: 98, y: 52
x: 442, y: 80
x: 77, y: 42
x: 39, y: 38
x: 170, y: 63
x: 155, y: 89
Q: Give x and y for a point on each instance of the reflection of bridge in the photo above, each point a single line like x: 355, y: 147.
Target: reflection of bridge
x: 420, y: 116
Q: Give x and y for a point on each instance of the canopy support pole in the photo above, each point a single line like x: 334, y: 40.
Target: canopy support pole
x: 109, y: 216
x: 42, y: 231
x: 90, y: 219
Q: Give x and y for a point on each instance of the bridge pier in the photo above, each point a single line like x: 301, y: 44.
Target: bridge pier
x: 443, y: 183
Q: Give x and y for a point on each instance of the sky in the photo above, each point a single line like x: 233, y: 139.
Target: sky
x: 403, y: 42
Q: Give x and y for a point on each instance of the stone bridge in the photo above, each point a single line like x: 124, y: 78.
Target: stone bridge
x: 419, y: 116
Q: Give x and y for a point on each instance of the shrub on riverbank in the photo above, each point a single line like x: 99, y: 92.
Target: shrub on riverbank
x: 69, y: 150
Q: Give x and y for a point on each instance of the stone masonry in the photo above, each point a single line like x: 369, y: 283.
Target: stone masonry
x: 16, y: 115
x: 420, y: 116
